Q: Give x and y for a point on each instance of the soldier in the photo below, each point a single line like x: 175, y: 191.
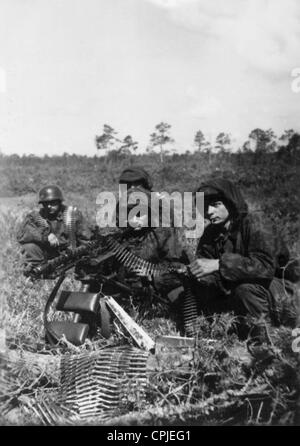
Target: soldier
x: 44, y: 234
x: 155, y: 244
x: 235, y: 264
x: 135, y: 177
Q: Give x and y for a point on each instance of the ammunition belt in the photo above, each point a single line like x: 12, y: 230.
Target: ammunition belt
x: 98, y: 383
x: 137, y: 264
x: 69, y: 219
x: 190, y: 311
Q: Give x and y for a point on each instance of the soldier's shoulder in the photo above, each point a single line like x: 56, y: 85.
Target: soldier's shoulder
x: 32, y: 214
x: 259, y: 230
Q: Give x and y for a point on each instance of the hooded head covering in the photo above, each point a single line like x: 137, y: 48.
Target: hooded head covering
x: 136, y: 174
x: 229, y: 192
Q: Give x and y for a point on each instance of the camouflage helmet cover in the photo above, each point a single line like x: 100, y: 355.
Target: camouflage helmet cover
x: 136, y: 174
x: 50, y: 193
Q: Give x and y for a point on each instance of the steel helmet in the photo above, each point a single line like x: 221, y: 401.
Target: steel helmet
x: 50, y: 193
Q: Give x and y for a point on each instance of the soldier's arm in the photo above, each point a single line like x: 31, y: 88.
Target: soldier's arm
x: 33, y: 230
x: 173, y: 252
x: 258, y: 263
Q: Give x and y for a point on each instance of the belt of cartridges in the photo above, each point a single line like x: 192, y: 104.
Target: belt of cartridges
x: 95, y: 384
x: 69, y: 218
x: 190, y: 311
x: 135, y: 263
x: 101, y: 381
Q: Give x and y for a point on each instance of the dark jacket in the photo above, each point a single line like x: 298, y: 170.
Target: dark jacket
x: 160, y: 246
x: 69, y: 227
x: 244, y: 251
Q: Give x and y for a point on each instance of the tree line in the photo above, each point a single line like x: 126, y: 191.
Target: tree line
x: 260, y: 141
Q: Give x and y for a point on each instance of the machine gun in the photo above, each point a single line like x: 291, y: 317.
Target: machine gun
x: 100, y: 259
x: 104, y: 247
x: 71, y: 257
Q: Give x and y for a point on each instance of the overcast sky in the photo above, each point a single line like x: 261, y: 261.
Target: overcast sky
x: 69, y: 66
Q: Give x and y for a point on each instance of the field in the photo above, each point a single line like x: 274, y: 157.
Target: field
x: 223, y: 385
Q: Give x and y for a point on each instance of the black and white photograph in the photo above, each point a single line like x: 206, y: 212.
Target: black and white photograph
x: 150, y: 215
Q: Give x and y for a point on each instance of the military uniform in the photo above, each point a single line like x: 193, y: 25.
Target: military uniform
x: 159, y: 246
x: 245, y: 282
x: 68, y: 226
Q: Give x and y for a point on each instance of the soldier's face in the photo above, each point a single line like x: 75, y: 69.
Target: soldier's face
x: 138, y: 221
x: 52, y: 207
x: 217, y: 212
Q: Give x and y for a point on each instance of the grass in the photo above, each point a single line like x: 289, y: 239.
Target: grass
x: 218, y: 382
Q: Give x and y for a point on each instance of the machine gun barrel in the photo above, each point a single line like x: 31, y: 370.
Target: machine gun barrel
x: 66, y: 260
x: 102, y: 244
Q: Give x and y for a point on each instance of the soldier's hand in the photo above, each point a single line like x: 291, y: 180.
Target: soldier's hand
x: 203, y: 267
x: 53, y: 240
